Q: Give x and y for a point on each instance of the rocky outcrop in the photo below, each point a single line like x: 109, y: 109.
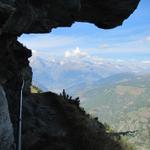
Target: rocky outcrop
x: 6, y: 130
x: 40, y: 16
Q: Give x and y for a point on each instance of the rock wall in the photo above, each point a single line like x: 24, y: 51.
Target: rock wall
x: 40, y: 16
x: 6, y: 129
x: 18, y: 70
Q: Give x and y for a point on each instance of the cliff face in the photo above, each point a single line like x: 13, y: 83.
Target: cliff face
x: 6, y: 130
x: 32, y: 16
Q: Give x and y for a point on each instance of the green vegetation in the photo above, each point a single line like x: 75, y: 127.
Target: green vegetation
x: 125, y: 106
x: 122, y: 137
x: 85, y: 132
x: 108, y: 128
x: 68, y: 98
x: 88, y: 131
x: 35, y: 89
x: 126, y: 145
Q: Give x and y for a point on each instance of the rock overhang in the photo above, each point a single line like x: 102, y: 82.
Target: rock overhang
x: 41, y: 16
x: 32, y: 16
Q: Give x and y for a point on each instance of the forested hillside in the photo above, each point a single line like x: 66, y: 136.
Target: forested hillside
x: 125, y: 105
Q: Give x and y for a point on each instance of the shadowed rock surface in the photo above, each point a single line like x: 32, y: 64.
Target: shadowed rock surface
x: 31, y: 16
x: 54, y: 123
x: 6, y: 130
x: 40, y: 16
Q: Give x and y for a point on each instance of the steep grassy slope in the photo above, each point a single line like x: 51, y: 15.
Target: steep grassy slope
x: 35, y: 89
x: 52, y: 122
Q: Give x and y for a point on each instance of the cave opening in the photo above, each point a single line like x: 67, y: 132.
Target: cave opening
x: 83, y: 54
x: 108, y: 70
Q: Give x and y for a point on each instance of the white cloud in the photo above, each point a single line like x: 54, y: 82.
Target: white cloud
x: 148, y: 38
x: 47, y: 41
x: 146, y: 62
x: 104, y: 46
x: 96, y: 60
x: 75, y: 53
x: 34, y: 51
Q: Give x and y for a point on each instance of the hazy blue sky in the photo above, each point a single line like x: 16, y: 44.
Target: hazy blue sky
x: 129, y: 41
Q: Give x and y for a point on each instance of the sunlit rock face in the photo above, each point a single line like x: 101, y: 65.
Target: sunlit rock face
x: 40, y: 16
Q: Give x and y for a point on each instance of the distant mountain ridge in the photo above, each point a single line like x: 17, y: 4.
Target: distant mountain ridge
x: 115, y: 91
x: 56, y: 74
x: 108, y: 81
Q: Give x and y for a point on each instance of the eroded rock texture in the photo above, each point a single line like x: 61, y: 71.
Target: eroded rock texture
x: 40, y: 16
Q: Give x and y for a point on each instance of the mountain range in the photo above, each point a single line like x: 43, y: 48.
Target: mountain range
x: 69, y: 73
x: 117, y: 92
x: 125, y: 105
